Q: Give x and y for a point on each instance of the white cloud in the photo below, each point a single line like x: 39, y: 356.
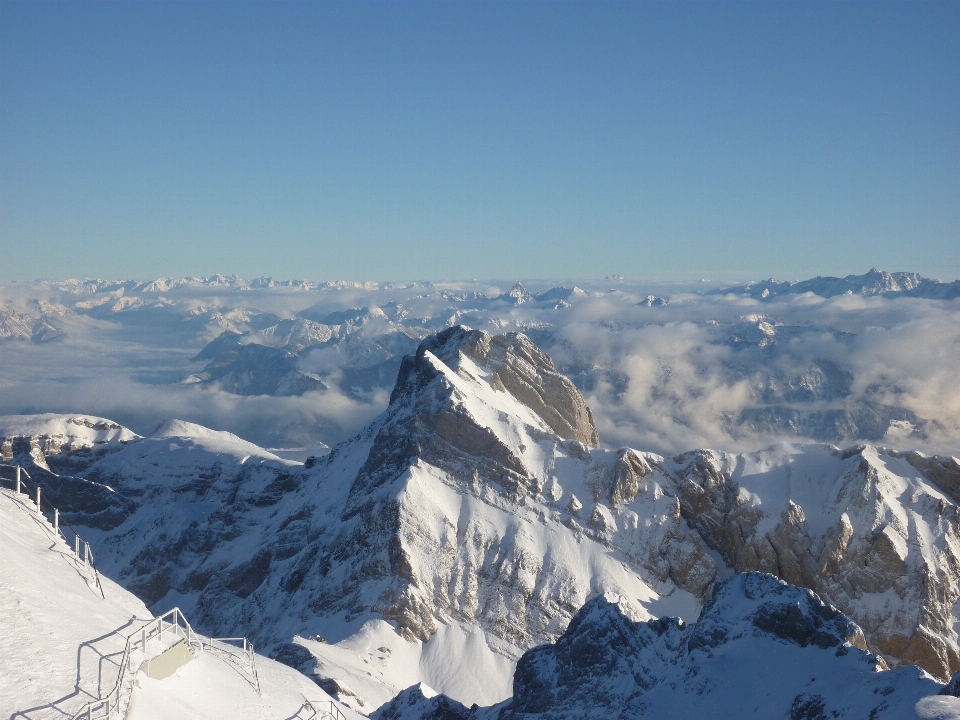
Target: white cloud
x: 667, y: 378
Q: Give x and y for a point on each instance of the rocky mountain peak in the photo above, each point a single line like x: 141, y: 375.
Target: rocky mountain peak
x: 510, y: 363
x: 608, y: 664
x: 762, y: 603
x: 464, y: 402
x: 519, y: 294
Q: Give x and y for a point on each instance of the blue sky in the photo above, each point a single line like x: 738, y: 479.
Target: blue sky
x: 393, y: 141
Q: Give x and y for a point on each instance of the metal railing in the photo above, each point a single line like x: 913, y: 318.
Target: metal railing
x: 319, y: 710
x: 248, y: 657
x: 106, y: 706
x: 82, y: 553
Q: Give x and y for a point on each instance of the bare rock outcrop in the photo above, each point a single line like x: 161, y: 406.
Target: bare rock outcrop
x: 885, y: 549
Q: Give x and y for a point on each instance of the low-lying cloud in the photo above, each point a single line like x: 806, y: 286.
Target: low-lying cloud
x: 724, y: 371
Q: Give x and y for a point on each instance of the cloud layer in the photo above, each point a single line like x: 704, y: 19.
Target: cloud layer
x: 723, y: 370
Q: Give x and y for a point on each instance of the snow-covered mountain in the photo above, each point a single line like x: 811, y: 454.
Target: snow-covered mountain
x: 761, y: 648
x: 875, y: 282
x: 477, y: 514
x: 666, y: 367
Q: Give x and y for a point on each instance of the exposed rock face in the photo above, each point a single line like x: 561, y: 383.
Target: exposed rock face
x: 54, y: 447
x: 761, y: 646
x: 437, y: 430
x: 885, y: 549
x: 518, y: 367
x: 429, y: 420
x: 421, y: 703
x: 628, y: 473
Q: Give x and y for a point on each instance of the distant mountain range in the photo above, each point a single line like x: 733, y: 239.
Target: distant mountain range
x: 296, y: 363
x: 875, y: 282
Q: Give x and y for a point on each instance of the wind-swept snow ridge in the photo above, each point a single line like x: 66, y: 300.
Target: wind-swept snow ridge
x: 51, y: 435
x: 216, y: 440
x: 761, y: 648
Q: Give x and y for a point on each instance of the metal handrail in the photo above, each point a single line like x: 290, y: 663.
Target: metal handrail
x: 320, y: 710
x: 105, y: 706
x: 153, y: 629
x: 249, y: 654
x: 78, y: 542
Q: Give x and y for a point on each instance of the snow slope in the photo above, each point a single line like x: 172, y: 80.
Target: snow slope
x: 208, y: 688
x: 61, y: 642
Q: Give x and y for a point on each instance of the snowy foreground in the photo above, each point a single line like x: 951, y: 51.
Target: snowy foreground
x: 61, y: 642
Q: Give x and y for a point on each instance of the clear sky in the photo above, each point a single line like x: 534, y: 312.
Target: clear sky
x: 454, y: 140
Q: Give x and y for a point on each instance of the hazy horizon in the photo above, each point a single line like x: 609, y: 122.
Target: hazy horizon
x: 384, y: 141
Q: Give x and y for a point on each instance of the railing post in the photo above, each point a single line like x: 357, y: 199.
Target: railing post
x: 160, y: 627
x: 18, y: 479
x: 76, y: 546
x: 86, y: 555
x: 56, y: 521
x: 38, y: 501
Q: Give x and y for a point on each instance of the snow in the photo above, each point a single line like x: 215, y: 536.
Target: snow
x: 663, y: 378
x: 377, y: 663
x: 216, y: 441
x: 938, y: 708
x: 742, y: 659
x: 481, y: 560
x: 208, y: 688
x: 60, y: 640
x: 300, y: 454
x: 85, y: 430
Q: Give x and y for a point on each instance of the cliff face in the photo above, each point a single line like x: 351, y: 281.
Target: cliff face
x: 870, y: 531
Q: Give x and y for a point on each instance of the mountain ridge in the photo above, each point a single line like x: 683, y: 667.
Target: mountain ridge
x: 478, y: 506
